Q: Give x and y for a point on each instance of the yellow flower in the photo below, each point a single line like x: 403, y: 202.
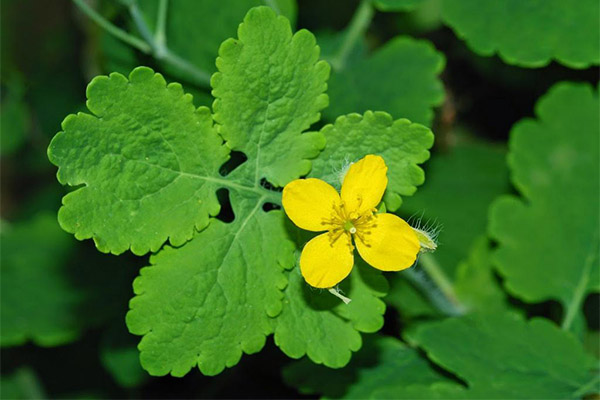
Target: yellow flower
x: 385, y: 241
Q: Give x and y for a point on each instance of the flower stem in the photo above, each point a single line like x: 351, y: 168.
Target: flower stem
x: 434, y: 283
x: 358, y: 25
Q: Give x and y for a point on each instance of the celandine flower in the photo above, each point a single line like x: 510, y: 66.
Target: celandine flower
x: 385, y: 241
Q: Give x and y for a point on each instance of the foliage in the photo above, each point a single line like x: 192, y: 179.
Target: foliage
x: 181, y: 183
x: 531, y: 33
x: 558, y: 176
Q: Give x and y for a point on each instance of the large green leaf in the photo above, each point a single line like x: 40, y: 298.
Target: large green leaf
x: 401, y: 78
x: 529, y: 33
x: 146, y: 157
x: 501, y: 356
x: 401, y: 143
x: 39, y: 301
x: 552, y: 232
x: 210, y: 300
x: 269, y: 88
x: 498, y: 356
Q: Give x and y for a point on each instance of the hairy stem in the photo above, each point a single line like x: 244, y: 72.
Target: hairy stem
x: 434, y: 283
x: 112, y: 29
x: 358, y: 25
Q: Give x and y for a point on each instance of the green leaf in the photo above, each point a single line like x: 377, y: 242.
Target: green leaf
x: 401, y: 78
x: 209, y: 22
x: 269, y: 88
x: 396, y: 5
x: 39, y: 301
x: 318, y: 324
x: 401, y: 143
x: 207, y: 302
x: 497, y: 355
x: 501, y: 356
x: 529, y: 33
x: 548, y: 240
x: 148, y: 162
x: 384, y: 364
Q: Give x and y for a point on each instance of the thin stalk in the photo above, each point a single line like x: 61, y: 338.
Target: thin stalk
x: 434, y: 284
x: 160, y: 36
x: 437, y: 275
x: 358, y: 26
x: 112, y: 29
x: 574, y: 305
x: 162, y: 52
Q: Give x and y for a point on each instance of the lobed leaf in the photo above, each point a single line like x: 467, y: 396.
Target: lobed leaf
x: 147, y: 161
x: 500, y: 355
x: 210, y: 300
x: 402, y: 144
x: 497, y: 355
x: 269, y: 88
x: 552, y: 232
x: 529, y: 33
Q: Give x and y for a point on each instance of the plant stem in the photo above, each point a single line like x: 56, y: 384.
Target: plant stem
x: 437, y: 275
x: 434, y: 283
x: 112, y: 29
x: 580, y: 291
x: 154, y: 45
x: 162, y: 52
x: 160, y: 36
x: 358, y: 25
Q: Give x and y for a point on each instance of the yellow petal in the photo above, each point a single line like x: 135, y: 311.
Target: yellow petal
x: 364, y: 184
x: 325, y: 264
x: 390, y: 245
x: 309, y: 203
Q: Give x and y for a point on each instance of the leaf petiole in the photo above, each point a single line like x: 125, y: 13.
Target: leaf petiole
x: 358, y: 25
x: 112, y: 29
x: 154, y: 45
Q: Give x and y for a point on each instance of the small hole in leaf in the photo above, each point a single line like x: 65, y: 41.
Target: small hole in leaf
x: 236, y: 159
x: 270, y: 206
x: 267, y: 185
x: 226, y: 214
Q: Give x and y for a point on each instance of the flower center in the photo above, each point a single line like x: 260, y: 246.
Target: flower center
x: 349, y: 227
